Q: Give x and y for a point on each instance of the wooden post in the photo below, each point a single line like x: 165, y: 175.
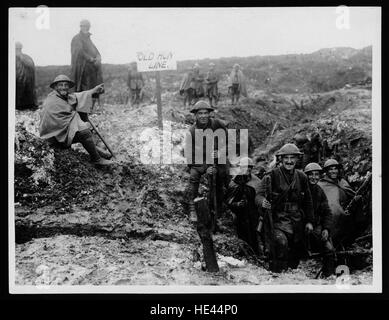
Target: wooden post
x: 159, y: 112
x: 204, y: 229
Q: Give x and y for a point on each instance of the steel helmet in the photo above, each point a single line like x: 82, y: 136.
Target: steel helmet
x: 313, y: 166
x: 201, y: 105
x: 289, y: 148
x: 246, y: 162
x: 330, y: 163
x: 300, y: 138
x: 61, y: 78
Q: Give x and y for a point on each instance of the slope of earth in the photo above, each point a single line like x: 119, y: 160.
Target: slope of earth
x: 128, y: 225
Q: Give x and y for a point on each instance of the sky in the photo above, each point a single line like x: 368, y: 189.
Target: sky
x: 190, y: 33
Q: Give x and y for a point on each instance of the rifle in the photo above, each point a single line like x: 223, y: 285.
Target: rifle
x: 359, y: 191
x: 349, y: 253
x: 214, y: 196
x: 102, y: 139
x: 269, y: 222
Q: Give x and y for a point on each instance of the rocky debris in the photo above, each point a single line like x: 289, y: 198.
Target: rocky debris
x: 128, y: 225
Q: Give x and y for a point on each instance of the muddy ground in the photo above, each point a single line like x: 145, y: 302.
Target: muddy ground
x: 129, y: 225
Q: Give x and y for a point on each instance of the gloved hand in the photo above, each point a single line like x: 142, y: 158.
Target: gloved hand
x: 266, y: 204
x: 210, y: 170
x: 98, y: 89
x: 308, y: 228
x: 241, y: 204
x: 324, y: 235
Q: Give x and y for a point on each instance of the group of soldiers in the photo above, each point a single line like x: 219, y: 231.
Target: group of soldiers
x: 283, y: 214
x: 195, y: 85
x: 86, y: 71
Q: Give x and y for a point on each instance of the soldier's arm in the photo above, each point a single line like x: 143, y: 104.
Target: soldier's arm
x: 325, y: 212
x: 189, y: 149
x: 261, y: 192
x: 78, y: 49
x: 307, y: 201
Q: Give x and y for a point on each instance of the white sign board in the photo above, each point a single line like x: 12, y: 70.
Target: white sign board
x: 155, y: 61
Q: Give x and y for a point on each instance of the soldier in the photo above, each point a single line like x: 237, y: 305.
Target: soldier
x: 237, y: 84
x: 289, y: 199
x: 339, y: 194
x: 192, y: 85
x: 240, y: 198
x: 25, y: 80
x: 64, y: 119
x: 85, y: 61
x: 211, y: 81
x: 135, y: 83
x: 199, y: 165
x: 320, y: 237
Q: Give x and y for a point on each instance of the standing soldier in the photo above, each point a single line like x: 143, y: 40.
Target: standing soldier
x: 211, y: 81
x: 86, y: 61
x: 285, y: 194
x: 25, y: 80
x: 339, y: 194
x: 237, y: 84
x: 192, y: 85
x: 197, y: 152
x: 240, y: 198
x: 322, y: 224
x: 135, y: 84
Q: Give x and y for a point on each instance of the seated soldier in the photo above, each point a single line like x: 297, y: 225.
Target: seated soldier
x: 322, y: 223
x: 240, y: 198
x: 339, y: 194
x: 61, y: 119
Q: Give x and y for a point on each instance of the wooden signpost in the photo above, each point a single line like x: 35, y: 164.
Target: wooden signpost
x: 157, y: 61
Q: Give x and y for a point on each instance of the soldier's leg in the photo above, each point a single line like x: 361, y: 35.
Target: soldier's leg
x: 328, y: 258
x: 194, y: 181
x: 86, y: 139
x: 280, y: 263
x: 220, y: 183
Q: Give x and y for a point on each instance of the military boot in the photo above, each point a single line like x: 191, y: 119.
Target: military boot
x: 86, y: 139
x: 104, y: 154
x: 328, y: 265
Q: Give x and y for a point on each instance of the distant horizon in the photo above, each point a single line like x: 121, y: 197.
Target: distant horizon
x: 191, y: 33
x: 230, y: 57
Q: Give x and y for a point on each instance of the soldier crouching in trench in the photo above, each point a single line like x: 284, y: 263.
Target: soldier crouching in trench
x: 320, y: 237
x: 241, y: 198
x: 198, y: 152
x: 284, y: 191
x: 64, y: 119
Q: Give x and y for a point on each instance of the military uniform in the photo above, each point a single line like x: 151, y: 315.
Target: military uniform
x: 198, y: 169
x: 322, y: 221
x: 211, y: 86
x: 339, y: 194
x: 292, y: 208
x: 240, y: 198
x: 135, y: 83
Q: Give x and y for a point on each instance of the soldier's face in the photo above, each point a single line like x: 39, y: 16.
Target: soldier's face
x: 313, y: 177
x: 289, y: 161
x: 202, y: 116
x: 62, y: 88
x: 85, y: 27
x: 333, y: 172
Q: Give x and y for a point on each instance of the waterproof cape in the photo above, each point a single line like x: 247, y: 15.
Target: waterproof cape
x: 60, y: 118
x: 241, y: 81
